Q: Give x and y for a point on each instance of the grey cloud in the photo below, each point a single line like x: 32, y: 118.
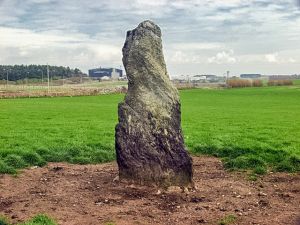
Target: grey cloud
x: 247, y: 26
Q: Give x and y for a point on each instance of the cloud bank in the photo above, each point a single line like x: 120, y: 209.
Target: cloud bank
x: 199, y: 36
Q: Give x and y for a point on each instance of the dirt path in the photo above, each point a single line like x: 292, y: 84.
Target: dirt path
x: 87, y: 195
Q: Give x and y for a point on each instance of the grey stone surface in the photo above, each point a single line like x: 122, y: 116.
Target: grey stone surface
x: 149, y: 143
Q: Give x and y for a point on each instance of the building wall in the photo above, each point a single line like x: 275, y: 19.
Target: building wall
x: 250, y: 76
x: 108, y: 72
x: 282, y: 77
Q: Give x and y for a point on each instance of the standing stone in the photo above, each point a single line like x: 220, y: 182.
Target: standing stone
x: 149, y: 143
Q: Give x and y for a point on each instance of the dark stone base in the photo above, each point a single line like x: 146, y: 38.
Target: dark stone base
x: 150, y: 155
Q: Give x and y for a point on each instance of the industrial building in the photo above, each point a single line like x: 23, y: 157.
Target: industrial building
x: 206, y: 78
x: 250, y: 76
x: 100, y: 73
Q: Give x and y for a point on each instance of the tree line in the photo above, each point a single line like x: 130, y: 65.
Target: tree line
x: 21, y: 72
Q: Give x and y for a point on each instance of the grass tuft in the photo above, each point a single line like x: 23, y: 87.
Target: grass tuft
x: 15, y: 161
x: 37, y: 220
x: 260, y: 170
x: 40, y: 220
x: 81, y: 160
x: 227, y: 220
x: 33, y: 159
x: 3, y: 220
x: 256, y: 158
x: 4, y: 168
x: 110, y: 223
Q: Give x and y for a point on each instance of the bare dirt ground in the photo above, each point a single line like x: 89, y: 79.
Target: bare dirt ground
x: 61, y: 92
x: 87, y: 195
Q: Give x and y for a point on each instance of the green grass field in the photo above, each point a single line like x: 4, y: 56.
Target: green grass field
x: 250, y: 128
x: 296, y: 82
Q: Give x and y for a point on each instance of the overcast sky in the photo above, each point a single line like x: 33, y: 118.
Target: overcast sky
x: 199, y: 36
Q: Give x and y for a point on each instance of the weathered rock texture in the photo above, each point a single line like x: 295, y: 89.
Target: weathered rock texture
x: 149, y: 143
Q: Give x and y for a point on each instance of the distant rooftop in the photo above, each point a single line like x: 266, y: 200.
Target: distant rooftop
x: 250, y: 75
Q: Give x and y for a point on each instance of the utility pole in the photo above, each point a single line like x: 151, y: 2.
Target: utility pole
x: 41, y: 70
x: 48, y: 77
x: 7, y: 78
x: 42, y: 76
x: 227, y: 77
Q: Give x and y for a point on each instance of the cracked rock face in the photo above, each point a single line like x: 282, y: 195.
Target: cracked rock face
x: 149, y: 143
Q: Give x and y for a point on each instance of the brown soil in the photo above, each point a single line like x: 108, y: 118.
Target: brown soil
x: 83, y: 195
x: 61, y: 92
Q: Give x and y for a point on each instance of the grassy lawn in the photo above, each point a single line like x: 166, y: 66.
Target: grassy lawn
x: 248, y: 128
x: 251, y: 128
x: 296, y: 82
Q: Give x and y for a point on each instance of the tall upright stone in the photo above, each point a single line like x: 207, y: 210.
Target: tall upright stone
x: 149, y: 143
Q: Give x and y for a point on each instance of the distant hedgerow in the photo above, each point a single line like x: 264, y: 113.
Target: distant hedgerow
x: 237, y: 83
x: 280, y: 82
x: 257, y: 83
